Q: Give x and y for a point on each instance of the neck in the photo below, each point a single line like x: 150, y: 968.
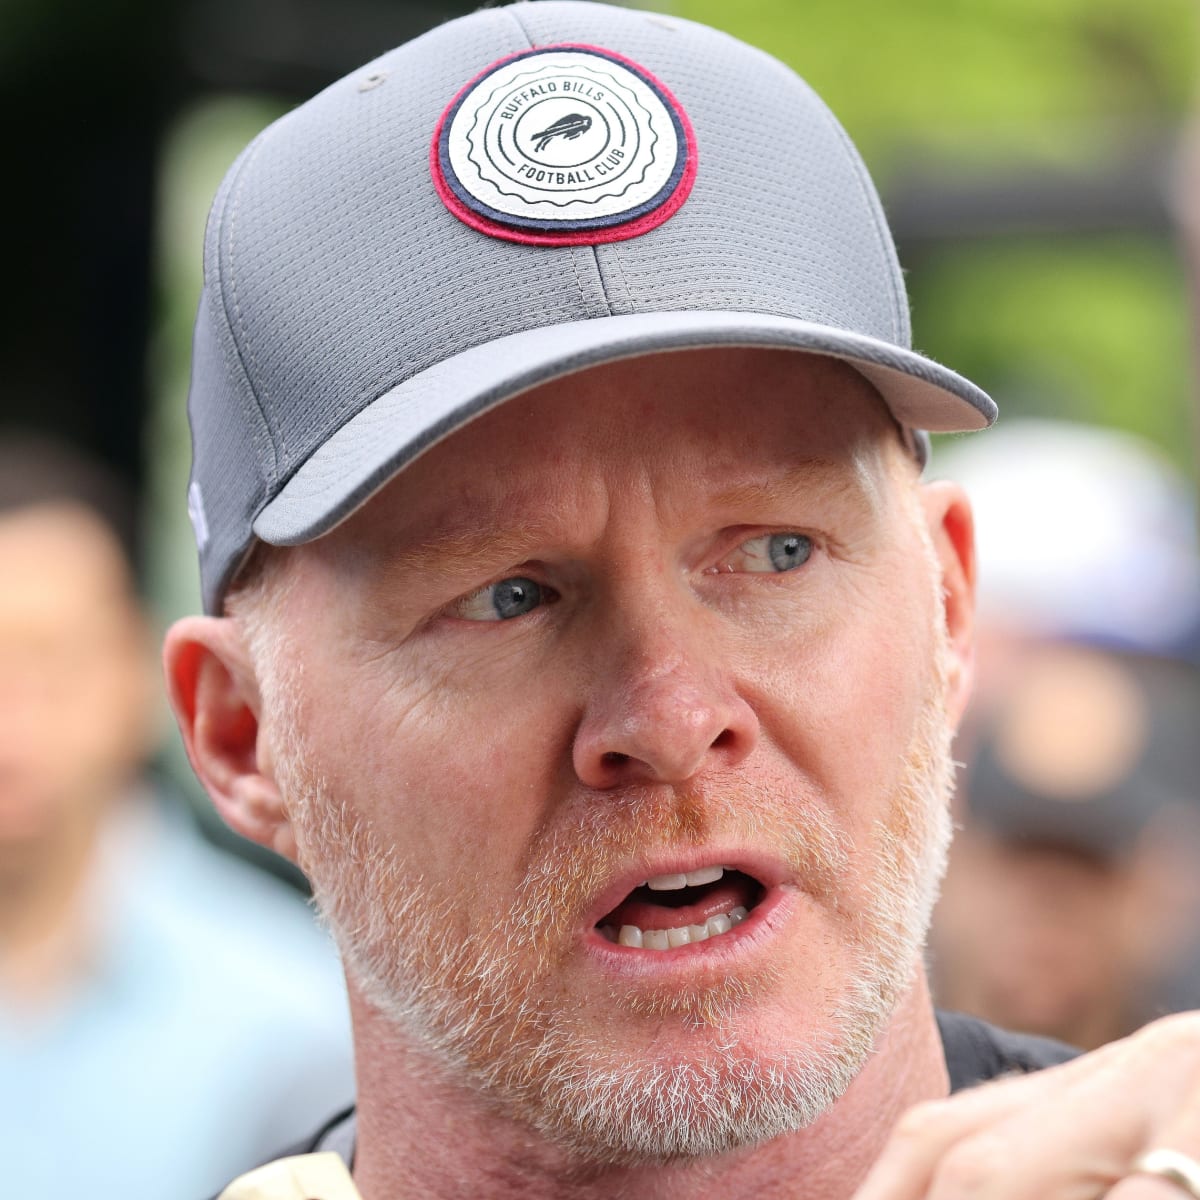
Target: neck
x: 419, y: 1134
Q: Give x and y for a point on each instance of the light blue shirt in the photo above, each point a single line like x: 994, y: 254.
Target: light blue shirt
x: 210, y: 1031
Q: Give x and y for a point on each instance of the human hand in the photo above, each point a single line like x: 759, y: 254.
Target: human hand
x: 1071, y: 1132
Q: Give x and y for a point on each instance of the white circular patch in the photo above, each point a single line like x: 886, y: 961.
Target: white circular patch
x: 563, y: 136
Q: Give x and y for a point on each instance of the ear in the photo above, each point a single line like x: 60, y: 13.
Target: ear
x: 952, y: 530
x: 215, y: 697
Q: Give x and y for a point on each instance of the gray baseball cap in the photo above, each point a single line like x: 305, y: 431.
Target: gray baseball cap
x: 514, y: 196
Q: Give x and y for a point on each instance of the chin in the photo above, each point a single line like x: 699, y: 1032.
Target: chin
x: 707, y: 1095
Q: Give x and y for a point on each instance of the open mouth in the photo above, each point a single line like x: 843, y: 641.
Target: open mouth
x: 668, y: 911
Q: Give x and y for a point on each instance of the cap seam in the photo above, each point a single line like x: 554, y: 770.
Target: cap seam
x: 521, y: 26
x: 223, y: 331
x: 263, y: 433
x: 899, y: 304
x: 583, y: 299
x: 236, y: 324
x: 618, y: 268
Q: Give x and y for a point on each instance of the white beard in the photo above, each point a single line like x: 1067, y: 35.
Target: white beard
x: 473, y: 1005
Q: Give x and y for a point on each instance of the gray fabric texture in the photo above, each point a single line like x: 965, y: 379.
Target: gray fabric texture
x: 349, y: 319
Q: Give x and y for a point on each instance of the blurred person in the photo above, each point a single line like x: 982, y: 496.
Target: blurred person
x: 1097, y: 544
x: 577, y: 617
x: 167, y: 1014
x: 1070, y: 900
x: 1080, y: 793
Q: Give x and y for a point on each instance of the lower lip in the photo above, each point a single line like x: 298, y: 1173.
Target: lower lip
x: 760, y: 927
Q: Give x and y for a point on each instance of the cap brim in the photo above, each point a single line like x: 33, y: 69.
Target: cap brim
x: 371, y: 447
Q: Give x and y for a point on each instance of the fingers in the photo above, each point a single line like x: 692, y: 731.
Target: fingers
x: 1069, y: 1133
x: 1159, y: 1171
x: 1071, y: 1144
x: 1145, y: 1187
x: 925, y: 1135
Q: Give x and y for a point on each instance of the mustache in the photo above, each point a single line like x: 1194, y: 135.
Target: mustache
x: 576, y: 854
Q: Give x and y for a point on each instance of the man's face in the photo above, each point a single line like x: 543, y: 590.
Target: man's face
x: 675, y: 615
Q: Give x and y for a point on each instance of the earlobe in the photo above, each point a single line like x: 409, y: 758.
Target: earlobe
x: 952, y: 530
x: 214, y: 694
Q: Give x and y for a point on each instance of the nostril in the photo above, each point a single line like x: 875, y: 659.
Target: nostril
x: 723, y: 739
x: 614, y: 758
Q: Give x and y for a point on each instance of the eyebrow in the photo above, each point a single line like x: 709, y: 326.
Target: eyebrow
x: 455, y: 547
x: 451, y: 545
x: 822, y: 476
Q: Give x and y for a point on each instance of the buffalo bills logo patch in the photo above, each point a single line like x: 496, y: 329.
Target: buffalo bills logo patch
x: 564, y: 145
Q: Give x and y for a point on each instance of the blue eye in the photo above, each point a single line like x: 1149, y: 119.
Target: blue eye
x: 504, y: 600
x: 788, y: 550
x: 769, y: 554
x: 515, y: 597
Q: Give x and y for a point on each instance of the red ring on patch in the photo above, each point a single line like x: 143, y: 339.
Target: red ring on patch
x: 620, y: 226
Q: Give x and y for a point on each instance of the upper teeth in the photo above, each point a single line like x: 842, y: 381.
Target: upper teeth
x: 671, y: 883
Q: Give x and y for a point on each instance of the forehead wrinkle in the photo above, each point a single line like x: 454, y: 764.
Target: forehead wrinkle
x: 827, y: 479
x: 496, y: 531
x: 462, y: 550
x: 461, y: 543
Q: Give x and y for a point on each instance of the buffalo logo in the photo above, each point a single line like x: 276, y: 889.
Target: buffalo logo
x: 570, y: 127
x: 563, y: 144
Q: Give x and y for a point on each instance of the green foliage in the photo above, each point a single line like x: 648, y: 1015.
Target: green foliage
x: 1091, y: 327
x: 1032, y: 76
x: 1080, y: 328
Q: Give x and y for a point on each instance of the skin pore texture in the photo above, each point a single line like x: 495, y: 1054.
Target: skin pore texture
x: 472, y: 797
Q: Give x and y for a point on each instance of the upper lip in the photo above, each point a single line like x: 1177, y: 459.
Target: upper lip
x: 767, y: 870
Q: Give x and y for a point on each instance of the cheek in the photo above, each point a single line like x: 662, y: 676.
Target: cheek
x: 453, y: 771
x: 846, y: 699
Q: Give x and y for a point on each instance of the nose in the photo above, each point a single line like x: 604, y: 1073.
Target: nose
x: 663, y: 708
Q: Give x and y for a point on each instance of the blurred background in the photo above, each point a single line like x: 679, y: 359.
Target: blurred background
x: 1040, y: 164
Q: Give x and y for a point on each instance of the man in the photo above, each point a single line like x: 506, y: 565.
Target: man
x: 578, y: 622
x: 1070, y: 898
x: 1069, y: 905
